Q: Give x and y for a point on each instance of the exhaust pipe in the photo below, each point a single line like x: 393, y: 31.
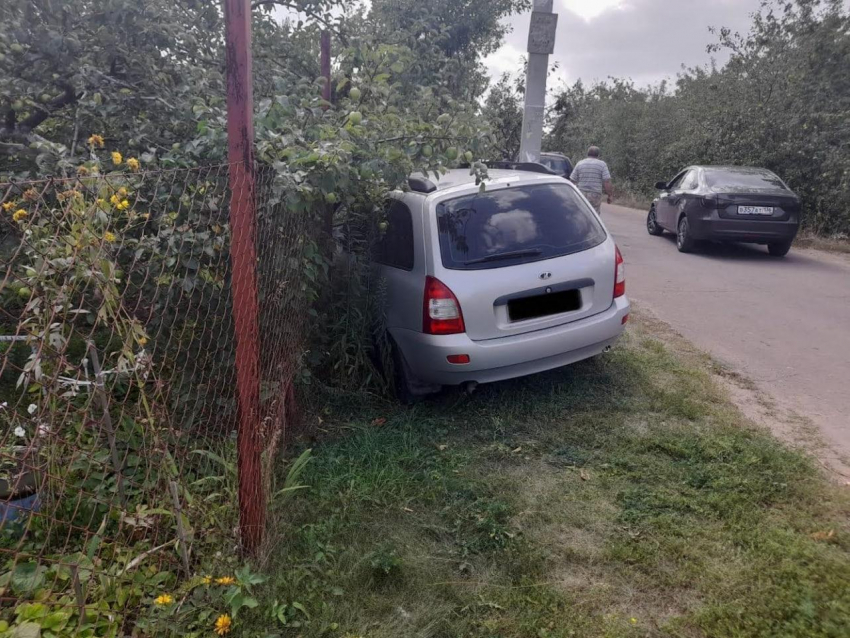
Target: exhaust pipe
x: 469, y: 387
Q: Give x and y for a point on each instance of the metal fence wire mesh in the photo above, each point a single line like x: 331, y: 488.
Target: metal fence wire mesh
x: 118, y: 403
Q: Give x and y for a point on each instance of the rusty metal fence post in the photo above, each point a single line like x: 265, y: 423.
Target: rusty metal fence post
x: 240, y: 138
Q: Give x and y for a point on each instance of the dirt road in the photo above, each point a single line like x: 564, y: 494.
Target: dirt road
x: 783, y: 323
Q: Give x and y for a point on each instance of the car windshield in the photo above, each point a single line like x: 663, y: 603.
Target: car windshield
x: 727, y: 177
x: 515, y: 225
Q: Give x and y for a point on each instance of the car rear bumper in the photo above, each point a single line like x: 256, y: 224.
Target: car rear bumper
x: 743, y: 230
x: 510, y: 357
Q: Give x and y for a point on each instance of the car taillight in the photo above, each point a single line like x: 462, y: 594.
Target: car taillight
x: 441, y: 313
x: 709, y: 202
x: 619, y: 274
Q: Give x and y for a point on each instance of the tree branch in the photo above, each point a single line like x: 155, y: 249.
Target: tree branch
x: 312, y: 14
x: 26, y: 125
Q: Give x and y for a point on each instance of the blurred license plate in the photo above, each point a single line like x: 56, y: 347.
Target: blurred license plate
x: 755, y: 210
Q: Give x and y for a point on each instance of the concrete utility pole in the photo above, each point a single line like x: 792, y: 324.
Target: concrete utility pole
x: 541, y: 43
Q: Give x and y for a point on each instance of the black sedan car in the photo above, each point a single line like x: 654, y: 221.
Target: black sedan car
x: 726, y: 203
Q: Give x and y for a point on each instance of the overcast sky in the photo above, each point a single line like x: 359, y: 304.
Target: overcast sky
x: 646, y: 40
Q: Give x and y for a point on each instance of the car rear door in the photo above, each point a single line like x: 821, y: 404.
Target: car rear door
x: 523, y: 258
x: 399, y: 257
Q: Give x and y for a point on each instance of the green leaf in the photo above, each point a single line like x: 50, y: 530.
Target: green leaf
x: 27, y: 630
x: 301, y: 608
x: 28, y: 577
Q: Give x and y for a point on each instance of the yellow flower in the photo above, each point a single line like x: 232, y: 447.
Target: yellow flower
x: 164, y: 599
x: 69, y: 194
x: 124, y: 205
x: 206, y: 580
x: 108, y: 236
x: 117, y: 158
x: 223, y: 624
x: 96, y: 140
x: 114, y: 200
x: 225, y: 580
x: 142, y: 340
x: 19, y: 214
x: 82, y: 170
x: 133, y: 163
x: 633, y: 621
x: 101, y: 203
x: 7, y: 206
x: 123, y: 192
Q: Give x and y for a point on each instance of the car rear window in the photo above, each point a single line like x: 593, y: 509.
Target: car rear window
x: 515, y: 225
x: 742, y: 178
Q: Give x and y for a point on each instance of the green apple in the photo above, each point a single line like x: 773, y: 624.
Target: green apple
x: 383, y: 226
x: 354, y: 94
x: 451, y: 153
x: 355, y: 117
x: 24, y: 292
x: 468, y: 156
x: 427, y: 150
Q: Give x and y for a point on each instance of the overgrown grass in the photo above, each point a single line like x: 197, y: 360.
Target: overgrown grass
x: 834, y: 244
x: 619, y: 497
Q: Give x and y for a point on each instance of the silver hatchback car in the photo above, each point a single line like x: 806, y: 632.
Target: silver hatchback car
x: 482, y: 286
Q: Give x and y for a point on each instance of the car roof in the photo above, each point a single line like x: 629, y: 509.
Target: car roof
x: 739, y: 169
x: 553, y: 154
x: 459, y: 179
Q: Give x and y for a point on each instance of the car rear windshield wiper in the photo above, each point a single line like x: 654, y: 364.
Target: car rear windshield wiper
x: 528, y: 252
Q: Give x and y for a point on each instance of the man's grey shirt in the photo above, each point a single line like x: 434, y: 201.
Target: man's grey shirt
x: 590, y: 173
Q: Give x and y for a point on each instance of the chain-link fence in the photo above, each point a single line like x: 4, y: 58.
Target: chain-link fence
x: 119, y: 413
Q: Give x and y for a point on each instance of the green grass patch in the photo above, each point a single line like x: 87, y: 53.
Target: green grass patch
x: 617, y: 497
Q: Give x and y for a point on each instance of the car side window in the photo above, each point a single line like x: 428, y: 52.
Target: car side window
x: 677, y: 181
x: 690, y: 181
x: 395, y: 248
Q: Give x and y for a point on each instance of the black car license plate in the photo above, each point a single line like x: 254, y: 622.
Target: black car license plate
x: 553, y: 303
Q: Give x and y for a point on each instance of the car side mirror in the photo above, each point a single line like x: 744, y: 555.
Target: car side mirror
x: 662, y: 186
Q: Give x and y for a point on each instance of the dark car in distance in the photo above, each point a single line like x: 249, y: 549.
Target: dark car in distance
x: 726, y: 203
x: 557, y: 163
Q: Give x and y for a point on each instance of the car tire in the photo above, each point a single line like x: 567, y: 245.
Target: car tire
x: 652, y: 226
x: 779, y: 249
x: 684, y: 240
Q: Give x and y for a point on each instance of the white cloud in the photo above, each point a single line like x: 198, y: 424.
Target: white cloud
x: 587, y: 9
x: 646, y: 40
x: 507, y: 59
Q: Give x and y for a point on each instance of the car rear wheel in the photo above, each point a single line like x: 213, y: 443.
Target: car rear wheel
x: 652, y: 226
x: 684, y: 241
x: 779, y: 249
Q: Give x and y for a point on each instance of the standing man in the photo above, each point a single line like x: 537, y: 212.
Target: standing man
x: 592, y: 177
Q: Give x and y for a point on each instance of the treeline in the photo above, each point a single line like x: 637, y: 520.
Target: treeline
x: 782, y: 102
